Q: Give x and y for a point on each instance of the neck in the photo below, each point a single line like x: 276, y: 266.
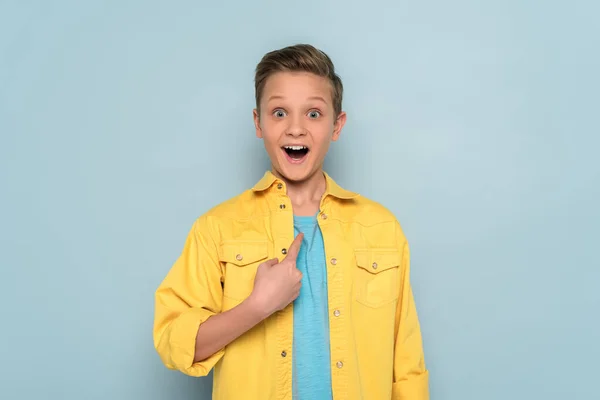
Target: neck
x: 305, y: 195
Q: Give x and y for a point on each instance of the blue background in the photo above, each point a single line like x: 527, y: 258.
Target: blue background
x: 475, y: 122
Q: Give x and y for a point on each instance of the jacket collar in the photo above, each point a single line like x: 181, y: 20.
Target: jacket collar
x: 332, y: 189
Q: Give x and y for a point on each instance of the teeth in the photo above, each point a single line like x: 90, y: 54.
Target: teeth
x: 296, y: 147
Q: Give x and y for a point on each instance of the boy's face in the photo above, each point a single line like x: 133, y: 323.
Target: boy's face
x: 297, y: 123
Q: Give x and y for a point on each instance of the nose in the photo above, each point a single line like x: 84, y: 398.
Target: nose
x: 295, y: 132
x: 295, y: 129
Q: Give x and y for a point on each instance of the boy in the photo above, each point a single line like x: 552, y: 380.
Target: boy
x: 297, y: 288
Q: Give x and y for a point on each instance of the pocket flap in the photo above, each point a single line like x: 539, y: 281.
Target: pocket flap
x: 242, y: 253
x: 377, y: 260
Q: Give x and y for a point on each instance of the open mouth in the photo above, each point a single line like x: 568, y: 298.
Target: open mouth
x: 296, y: 154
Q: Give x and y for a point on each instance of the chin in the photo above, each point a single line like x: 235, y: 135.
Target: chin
x: 295, y: 173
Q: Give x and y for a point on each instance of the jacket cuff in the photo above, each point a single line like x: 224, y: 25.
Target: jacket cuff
x: 183, y: 343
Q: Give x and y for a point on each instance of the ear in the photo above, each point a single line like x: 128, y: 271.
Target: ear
x: 257, y: 124
x: 338, y: 125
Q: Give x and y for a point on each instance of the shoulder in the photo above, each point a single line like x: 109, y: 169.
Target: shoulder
x: 238, y: 208
x: 371, y: 215
x: 366, y: 211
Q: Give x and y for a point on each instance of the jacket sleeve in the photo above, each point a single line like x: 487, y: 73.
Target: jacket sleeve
x: 189, y: 295
x: 411, y: 378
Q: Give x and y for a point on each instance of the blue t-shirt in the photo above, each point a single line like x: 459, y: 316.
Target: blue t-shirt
x: 311, y: 368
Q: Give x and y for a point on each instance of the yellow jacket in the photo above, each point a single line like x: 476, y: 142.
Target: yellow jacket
x: 376, y: 346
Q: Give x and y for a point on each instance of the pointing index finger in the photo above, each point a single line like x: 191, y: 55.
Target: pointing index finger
x: 294, y: 249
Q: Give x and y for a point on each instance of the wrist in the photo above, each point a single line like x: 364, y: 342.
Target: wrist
x: 256, y: 307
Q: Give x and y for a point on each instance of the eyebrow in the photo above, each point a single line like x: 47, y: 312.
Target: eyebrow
x: 318, y: 98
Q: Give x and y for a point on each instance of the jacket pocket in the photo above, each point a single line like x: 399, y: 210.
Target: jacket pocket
x: 376, y: 281
x: 241, y: 260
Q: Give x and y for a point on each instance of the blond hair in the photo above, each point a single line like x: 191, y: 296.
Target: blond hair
x: 298, y: 58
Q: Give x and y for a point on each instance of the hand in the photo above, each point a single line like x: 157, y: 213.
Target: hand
x: 277, y: 284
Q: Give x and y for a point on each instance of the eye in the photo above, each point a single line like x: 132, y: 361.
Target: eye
x: 314, y: 114
x: 279, y: 113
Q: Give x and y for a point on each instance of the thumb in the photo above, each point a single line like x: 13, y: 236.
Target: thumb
x: 271, y: 262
